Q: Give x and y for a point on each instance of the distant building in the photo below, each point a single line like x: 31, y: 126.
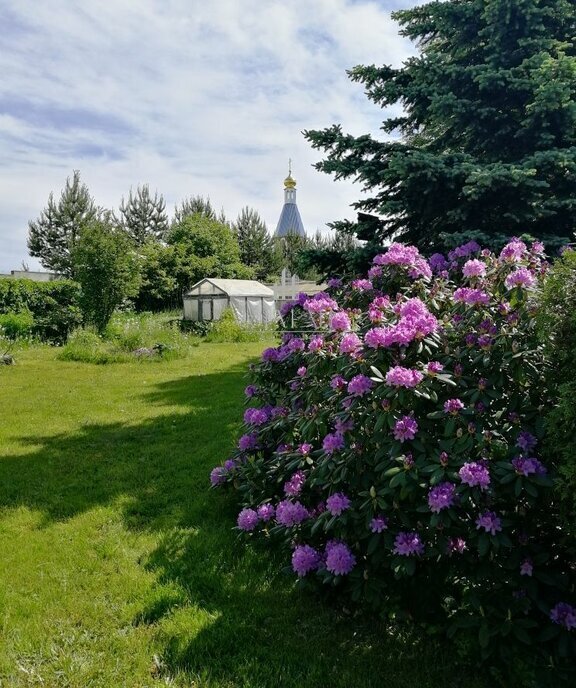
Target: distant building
x: 34, y: 276
x: 290, y: 221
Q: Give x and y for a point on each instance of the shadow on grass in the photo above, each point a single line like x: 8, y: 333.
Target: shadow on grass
x: 259, y: 630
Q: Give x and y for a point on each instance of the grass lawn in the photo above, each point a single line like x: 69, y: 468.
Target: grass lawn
x: 120, y: 567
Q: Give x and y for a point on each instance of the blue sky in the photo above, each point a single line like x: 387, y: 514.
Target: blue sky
x: 188, y: 96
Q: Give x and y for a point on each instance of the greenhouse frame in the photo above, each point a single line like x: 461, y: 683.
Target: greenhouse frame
x: 250, y: 301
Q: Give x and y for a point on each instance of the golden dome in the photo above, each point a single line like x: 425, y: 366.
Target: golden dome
x: 289, y: 182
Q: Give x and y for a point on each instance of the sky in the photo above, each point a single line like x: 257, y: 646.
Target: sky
x: 188, y: 96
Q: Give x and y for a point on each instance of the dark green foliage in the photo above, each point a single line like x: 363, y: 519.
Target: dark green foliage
x: 196, y: 204
x: 107, y: 269
x: 256, y: 245
x: 159, y: 288
x: 486, y: 141
x: 54, y: 305
x: 53, y: 235
x: 557, y: 324
x: 205, y: 247
x: 16, y: 325
x: 144, y: 217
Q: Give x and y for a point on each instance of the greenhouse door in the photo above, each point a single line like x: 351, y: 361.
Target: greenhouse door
x: 205, y: 310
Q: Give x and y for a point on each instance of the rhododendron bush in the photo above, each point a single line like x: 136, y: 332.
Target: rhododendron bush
x: 392, y: 445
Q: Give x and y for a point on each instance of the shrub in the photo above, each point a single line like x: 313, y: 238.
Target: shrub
x: 557, y: 326
x: 53, y: 305
x: 228, y: 329
x: 16, y: 325
x: 393, y: 451
x: 86, y: 346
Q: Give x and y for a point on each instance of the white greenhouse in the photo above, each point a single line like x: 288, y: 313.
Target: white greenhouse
x: 250, y: 301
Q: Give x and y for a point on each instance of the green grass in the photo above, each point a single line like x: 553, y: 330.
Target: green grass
x: 120, y: 567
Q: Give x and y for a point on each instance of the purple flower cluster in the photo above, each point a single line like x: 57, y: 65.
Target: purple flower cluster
x: 400, y: 254
x: 434, y: 367
x: 475, y: 474
x: 464, y: 250
x: 360, y: 385
x: 293, y: 487
x: 522, y: 277
x: 474, y: 268
x: 456, y: 545
x: 218, y: 476
x: 290, y: 513
x: 403, y: 377
x: 405, y: 428
x: 490, y: 522
x: 526, y: 441
x: 472, y: 297
x: 350, y: 343
x: 524, y: 465
x: 339, y: 558
x: 248, y: 442
x: 564, y: 614
x: 256, y: 416
x: 340, y: 322
x: 378, y: 524
x: 514, y: 251
x: 316, y: 343
x: 338, y: 382
x: 415, y: 322
x: 361, y: 285
x: 441, y: 497
x: 305, y: 559
x: 337, y: 503
x: 247, y: 519
x: 333, y: 442
x: 320, y: 303
x: 453, y: 406
x: 251, y: 391
x: 407, y: 544
x: 266, y: 512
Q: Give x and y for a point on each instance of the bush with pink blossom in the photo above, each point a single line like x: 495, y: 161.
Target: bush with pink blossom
x: 403, y: 465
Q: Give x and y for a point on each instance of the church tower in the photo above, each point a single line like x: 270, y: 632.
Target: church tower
x: 290, y: 221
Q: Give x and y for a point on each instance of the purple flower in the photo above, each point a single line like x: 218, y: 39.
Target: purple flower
x: 522, y: 277
x: 361, y: 285
x: 526, y: 441
x: 337, y: 503
x: 475, y: 474
x: 407, y: 544
x: 457, y: 545
x: 248, y: 442
x: 438, y: 263
x: 302, y: 370
x: 526, y: 568
x: 266, y: 512
x: 334, y: 282
x: 340, y: 322
x: 304, y: 448
x: 441, y: 497
x: 338, y: 382
x: 339, y: 558
x: 270, y: 355
x: 316, y: 343
x: 359, y: 385
x: 294, y: 486
x: 403, y: 377
x: 526, y: 466
x: 453, y: 406
x: 490, y: 522
x: 290, y: 513
x: 472, y: 297
x: 251, y: 391
x: 286, y: 307
x: 247, y: 519
x: 513, y: 251
x: 305, y: 559
x: 564, y: 614
x: 350, y: 343
x: 320, y: 303
x: 474, y: 268
x: 434, y: 367
x: 378, y: 524
x: 218, y: 476
x: 343, y: 425
x: 255, y: 416
x: 405, y: 428
x: 333, y: 442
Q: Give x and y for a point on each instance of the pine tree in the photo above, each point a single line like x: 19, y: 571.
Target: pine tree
x: 144, y: 217
x: 192, y: 205
x: 256, y: 245
x: 53, y: 235
x: 486, y: 144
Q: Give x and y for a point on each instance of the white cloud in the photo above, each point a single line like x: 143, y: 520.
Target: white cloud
x: 188, y: 96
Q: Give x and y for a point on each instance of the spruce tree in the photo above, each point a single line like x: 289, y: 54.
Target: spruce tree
x: 485, y: 145
x: 192, y: 205
x: 144, y: 217
x: 53, y: 235
x: 256, y: 245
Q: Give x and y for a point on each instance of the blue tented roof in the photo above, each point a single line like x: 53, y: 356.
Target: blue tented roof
x: 290, y: 221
